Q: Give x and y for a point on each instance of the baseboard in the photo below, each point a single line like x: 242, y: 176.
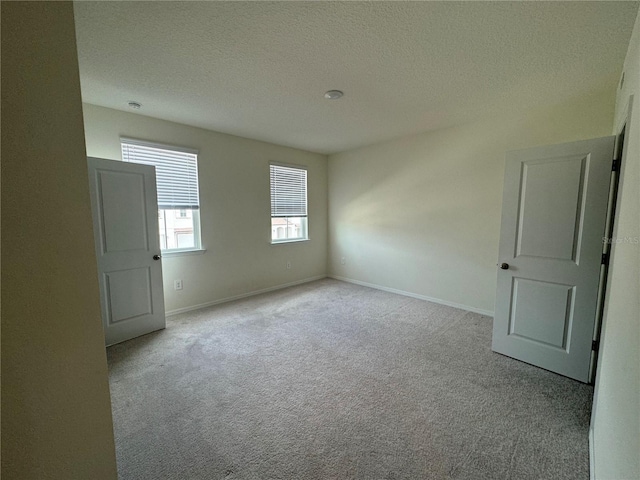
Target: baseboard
x: 592, y: 459
x: 242, y: 295
x: 337, y: 277
x: 415, y: 295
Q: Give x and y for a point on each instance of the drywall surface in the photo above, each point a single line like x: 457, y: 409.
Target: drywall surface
x: 616, y: 414
x: 234, y: 208
x: 422, y: 214
x: 56, y: 411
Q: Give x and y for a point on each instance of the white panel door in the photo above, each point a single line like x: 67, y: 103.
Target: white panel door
x: 125, y: 223
x: 551, y: 241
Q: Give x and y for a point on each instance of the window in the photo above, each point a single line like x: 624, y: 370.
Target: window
x: 288, y: 203
x: 177, y: 185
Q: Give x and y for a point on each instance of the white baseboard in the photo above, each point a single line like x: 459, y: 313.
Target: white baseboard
x: 178, y: 311
x: 242, y: 295
x: 592, y: 465
x: 415, y: 295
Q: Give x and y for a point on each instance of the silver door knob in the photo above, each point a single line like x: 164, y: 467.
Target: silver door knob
x: 504, y: 266
x: 156, y: 257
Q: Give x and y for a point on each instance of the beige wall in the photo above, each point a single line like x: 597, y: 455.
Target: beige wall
x: 235, y: 208
x: 616, y: 414
x: 422, y: 214
x: 56, y: 414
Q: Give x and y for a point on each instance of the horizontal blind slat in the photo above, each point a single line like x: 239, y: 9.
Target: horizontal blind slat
x: 288, y: 191
x: 176, y: 173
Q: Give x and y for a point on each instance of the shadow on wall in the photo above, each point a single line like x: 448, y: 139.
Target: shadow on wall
x: 422, y: 213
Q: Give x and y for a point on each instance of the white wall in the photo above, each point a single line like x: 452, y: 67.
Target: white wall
x: 422, y: 214
x: 235, y: 208
x: 616, y: 413
x: 56, y: 411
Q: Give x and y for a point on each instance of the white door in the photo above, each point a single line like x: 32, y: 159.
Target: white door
x: 125, y: 224
x: 551, y: 242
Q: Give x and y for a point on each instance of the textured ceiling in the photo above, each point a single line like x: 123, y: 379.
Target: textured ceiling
x: 260, y: 69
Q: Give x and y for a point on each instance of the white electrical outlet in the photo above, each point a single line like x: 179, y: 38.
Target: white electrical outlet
x: 177, y: 284
x: 343, y: 261
x: 288, y: 265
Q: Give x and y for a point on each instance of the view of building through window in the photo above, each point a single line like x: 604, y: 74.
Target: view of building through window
x: 288, y: 228
x: 177, y: 229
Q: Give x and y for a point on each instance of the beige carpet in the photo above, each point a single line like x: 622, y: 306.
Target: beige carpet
x: 330, y: 380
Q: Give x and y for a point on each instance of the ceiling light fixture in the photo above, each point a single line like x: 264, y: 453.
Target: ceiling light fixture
x: 135, y: 105
x: 333, y: 94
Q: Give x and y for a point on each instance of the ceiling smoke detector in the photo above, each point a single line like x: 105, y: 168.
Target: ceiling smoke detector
x: 135, y: 105
x: 333, y: 94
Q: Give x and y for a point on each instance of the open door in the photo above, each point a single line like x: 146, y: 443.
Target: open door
x: 551, y: 242
x: 125, y: 225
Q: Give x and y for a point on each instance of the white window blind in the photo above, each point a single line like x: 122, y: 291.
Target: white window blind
x: 288, y: 191
x: 176, y: 172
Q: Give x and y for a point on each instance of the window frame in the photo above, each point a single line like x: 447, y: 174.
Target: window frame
x: 305, y: 226
x: 195, y: 212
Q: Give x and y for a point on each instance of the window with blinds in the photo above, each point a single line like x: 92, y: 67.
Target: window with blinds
x: 177, y: 186
x: 289, y: 219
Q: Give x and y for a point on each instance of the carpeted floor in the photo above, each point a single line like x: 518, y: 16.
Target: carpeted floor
x: 330, y: 380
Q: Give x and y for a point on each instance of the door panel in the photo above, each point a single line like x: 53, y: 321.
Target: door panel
x: 553, y: 221
x: 129, y: 294
x: 541, y: 311
x: 125, y: 219
x: 123, y: 212
x: 550, y: 202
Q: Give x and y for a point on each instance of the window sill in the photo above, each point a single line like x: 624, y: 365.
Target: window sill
x: 180, y: 253
x: 297, y: 240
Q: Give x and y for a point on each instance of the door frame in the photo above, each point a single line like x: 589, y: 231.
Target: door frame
x: 620, y: 154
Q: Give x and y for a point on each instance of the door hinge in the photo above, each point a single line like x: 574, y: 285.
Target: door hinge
x: 616, y: 165
x: 595, y: 345
x: 605, y: 259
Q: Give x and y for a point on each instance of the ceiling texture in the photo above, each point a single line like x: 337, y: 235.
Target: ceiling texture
x: 260, y: 69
